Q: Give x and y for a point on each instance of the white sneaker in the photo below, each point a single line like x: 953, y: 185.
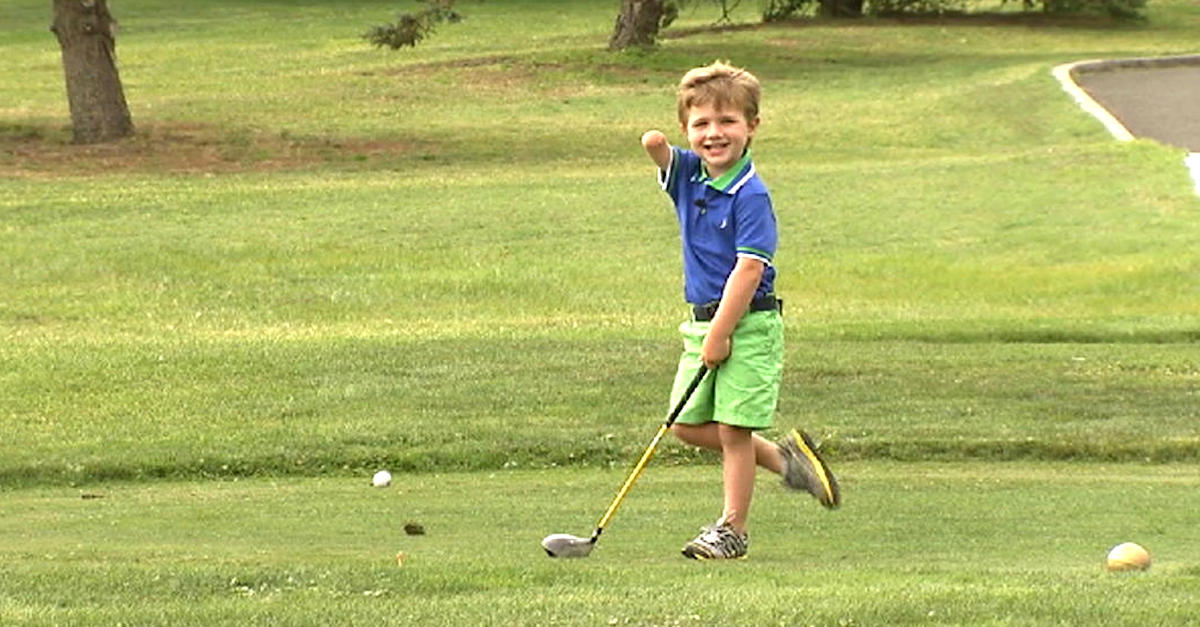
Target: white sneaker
x: 718, y: 542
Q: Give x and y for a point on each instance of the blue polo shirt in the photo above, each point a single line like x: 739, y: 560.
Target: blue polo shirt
x: 720, y: 220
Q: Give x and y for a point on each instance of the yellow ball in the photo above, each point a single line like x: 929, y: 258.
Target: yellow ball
x: 1128, y: 556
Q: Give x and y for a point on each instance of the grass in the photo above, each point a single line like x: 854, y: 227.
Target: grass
x: 916, y: 543
x: 318, y: 259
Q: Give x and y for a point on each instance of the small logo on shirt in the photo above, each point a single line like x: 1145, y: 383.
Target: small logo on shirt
x: 724, y: 223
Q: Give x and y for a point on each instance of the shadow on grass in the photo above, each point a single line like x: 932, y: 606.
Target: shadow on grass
x: 1162, y: 451
x: 948, y: 18
x: 45, y: 149
x: 1022, y: 336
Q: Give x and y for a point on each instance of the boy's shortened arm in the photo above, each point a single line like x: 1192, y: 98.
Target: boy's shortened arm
x: 659, y: 149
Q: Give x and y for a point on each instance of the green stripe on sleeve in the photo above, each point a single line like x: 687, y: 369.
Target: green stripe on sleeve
x: 754, y: 251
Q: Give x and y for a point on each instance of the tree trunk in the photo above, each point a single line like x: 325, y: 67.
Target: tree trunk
x: 637, y: 24
x: 841, y: 8
x: 85, y: 32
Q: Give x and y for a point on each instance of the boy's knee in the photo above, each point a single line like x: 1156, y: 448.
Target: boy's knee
x: 733, y: 433
x: 693, y: 434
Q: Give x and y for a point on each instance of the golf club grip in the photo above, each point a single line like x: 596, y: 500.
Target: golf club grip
x: 641, y: 465
x: 687, y: 395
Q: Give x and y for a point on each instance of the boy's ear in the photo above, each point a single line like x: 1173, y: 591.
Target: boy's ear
x: 753, y: 124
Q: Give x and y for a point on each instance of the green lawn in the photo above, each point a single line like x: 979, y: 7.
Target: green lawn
x: 318, y: 259
x: 915, y: 543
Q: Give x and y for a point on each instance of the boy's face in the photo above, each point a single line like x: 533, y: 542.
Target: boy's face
x: 719, y: 135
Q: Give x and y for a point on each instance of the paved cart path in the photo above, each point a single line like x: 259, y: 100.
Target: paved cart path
x: 1157, y: 103
x: 1152, y: 98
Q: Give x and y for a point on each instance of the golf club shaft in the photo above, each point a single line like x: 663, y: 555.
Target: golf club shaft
x: 641, y: 465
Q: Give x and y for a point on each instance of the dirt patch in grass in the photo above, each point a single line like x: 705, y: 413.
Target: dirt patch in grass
x: 43, y: 152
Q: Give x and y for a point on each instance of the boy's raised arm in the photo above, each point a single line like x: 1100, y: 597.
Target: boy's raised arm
x: 658, y: 148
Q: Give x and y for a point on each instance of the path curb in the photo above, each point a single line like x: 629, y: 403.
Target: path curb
x: 1108, y: 65
x: 1067, y: 72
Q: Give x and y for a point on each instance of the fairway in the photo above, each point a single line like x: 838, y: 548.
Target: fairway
x: 317, y: 259
x: 975, y: 543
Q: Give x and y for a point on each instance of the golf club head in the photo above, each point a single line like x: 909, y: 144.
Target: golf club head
x: 567, y: 545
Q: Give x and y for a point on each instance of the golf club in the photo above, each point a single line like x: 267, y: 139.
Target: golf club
x: 567, y: 545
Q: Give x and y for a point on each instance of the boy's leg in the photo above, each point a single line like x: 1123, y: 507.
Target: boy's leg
x: 795, y: 458
x: 766, y: 453
x: 737, y: 469
x: 739, y: 400
x: 727, y: 539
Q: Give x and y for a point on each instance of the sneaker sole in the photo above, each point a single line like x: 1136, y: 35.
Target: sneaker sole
x: 704, y: 558
x: 805, y: 444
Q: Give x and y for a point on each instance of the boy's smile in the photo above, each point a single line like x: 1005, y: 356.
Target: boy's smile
x: 718, y: 135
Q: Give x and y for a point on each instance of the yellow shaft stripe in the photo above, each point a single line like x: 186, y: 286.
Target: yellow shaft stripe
x: 633, y: 477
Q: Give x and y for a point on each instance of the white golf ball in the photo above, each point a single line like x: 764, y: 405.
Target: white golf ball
x: 382, y: 479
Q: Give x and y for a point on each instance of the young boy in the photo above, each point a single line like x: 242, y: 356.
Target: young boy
x: 729, y: 236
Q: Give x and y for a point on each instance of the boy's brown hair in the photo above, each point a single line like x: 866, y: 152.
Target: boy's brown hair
x: 720, y: 85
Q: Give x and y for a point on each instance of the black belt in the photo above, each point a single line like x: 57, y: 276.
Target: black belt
x: 707, y: 311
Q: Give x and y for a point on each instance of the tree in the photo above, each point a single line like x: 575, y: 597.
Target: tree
x: 637, y: 24
x: 86, y: 33
x: 411, y: 28
x: 841, y: 8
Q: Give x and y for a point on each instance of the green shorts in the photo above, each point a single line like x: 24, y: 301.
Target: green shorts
x: 745, y: 389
